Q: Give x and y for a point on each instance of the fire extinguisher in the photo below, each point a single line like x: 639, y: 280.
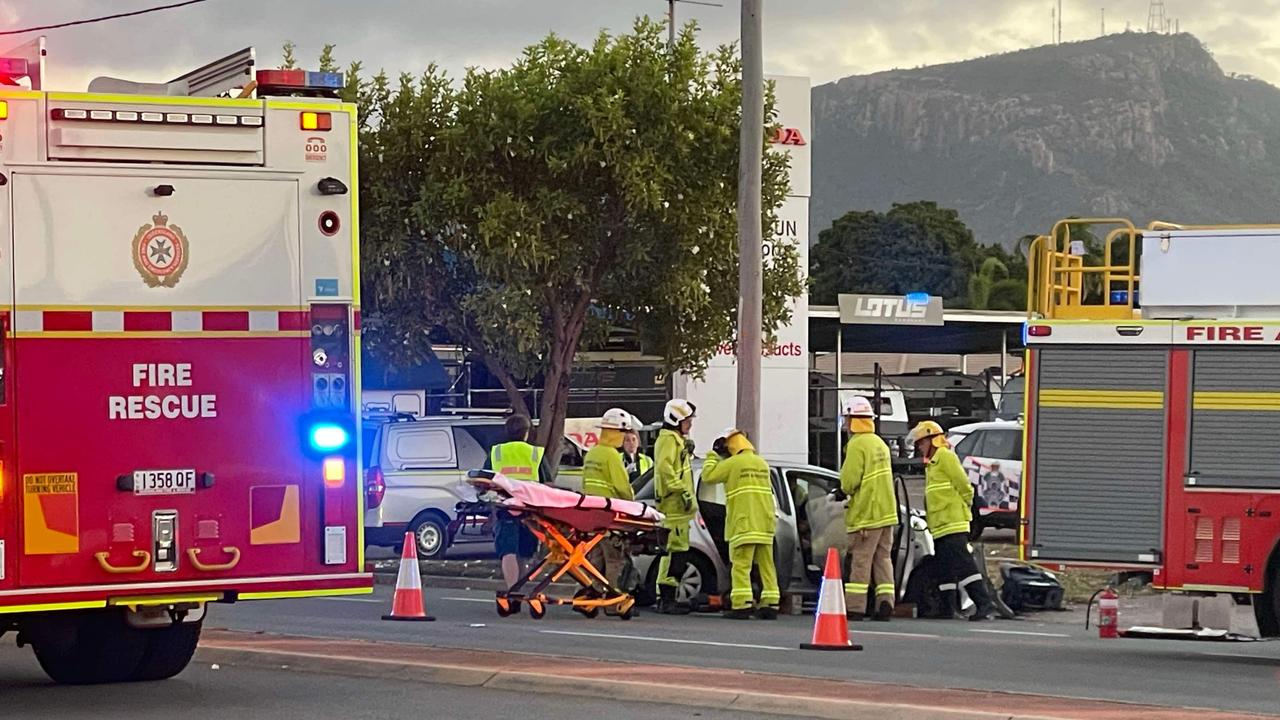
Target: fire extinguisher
x: 1108, y: 613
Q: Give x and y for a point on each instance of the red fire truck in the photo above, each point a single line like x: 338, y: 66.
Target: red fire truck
x: 1153, y: 407
x: 180, y: 358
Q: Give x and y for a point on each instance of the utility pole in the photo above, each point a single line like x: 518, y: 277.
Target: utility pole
x: 671, y: 23
x: 1059, y: 22
x: 750, y: 230
x: 1104, y: 21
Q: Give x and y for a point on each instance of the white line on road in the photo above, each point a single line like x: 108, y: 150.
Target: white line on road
x: 665, y: 640
x: 1019, y: 632
x: 474, y: 600
x: 918, y: 636
x: 351, y: 599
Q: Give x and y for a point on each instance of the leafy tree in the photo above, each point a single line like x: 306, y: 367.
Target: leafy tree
x: 529, y: 208
x: 288, y: 62
x: 982, y: 283
x: 596, y: 185
x: 914, y: 247
x: 327, y: 63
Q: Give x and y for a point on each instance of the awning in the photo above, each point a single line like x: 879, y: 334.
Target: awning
x: 963, y: 332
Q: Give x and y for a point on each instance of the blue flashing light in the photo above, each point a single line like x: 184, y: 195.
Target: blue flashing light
x: 328, y: 437
x: 330, y: 80
x: 1119, y: 297
x: 918, y: 298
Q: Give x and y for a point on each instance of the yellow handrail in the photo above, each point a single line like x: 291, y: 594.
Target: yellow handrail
x: 1056, y: 282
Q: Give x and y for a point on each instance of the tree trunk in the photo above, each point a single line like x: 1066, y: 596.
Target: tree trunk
x: 514, y: 396
x: 565, y: 334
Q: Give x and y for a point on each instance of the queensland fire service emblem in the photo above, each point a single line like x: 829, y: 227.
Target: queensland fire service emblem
x: 160, y: 252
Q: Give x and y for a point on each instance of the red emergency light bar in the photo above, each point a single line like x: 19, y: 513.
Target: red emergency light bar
x: 13, y: 67
x: 299, y: 81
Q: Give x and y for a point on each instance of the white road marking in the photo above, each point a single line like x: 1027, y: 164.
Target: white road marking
x: 474, y: 600
x: 665, y: 640
x: 1019, y: 632
x: 853, y: 630
x: 1238, y: 656
x: 351, y: 599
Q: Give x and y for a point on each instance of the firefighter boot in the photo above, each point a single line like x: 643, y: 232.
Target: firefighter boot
x: 884, y: 611
x: 766, y: 612
x: 667, y: 604
x: 738, y: 614
x: 985, y: 609
x: 947, y: 604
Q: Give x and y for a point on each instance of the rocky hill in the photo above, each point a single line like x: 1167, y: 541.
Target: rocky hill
x: 1143, y: 126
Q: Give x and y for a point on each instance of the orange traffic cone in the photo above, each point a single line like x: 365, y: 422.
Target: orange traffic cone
x: 830, y: 625
x: 407, y: 603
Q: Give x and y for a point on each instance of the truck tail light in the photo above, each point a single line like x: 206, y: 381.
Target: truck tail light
x: 4, y: 110
x: 1039, y: 330
x: 335, y: 472
x: 375, y: 488
x: 318, y: 121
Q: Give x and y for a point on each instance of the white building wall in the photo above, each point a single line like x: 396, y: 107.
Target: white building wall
x: 784, y: 399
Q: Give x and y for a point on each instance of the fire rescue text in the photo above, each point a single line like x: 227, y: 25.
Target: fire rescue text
x: 154, y: 407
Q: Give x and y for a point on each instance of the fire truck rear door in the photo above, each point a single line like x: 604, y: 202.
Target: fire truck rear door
x: 163, y: 354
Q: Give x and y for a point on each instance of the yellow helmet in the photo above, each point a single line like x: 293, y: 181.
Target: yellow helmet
x: 924, y: 431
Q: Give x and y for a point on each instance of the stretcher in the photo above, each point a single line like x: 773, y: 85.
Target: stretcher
x: 568, y: 526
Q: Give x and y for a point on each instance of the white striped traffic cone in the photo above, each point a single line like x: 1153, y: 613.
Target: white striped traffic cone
x: 407, y: 603
x: 830, y: 625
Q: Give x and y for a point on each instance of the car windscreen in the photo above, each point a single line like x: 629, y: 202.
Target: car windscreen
x: 1003, y: 444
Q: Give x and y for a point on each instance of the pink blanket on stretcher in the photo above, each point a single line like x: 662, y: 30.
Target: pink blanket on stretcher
x: 531, y: 496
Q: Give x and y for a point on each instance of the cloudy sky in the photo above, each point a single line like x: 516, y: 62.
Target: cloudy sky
x: 824, y: 39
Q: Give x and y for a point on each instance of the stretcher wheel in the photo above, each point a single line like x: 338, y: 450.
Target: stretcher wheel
x: 588, y: 613
x: 628, y: 610
x: 537, y: 609
x: 504, y: 608
x: 586, y: 594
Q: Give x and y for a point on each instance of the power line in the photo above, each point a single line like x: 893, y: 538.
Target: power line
x: 104, y: 18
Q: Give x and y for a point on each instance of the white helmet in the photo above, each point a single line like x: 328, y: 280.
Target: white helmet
x: 677, y: 411
x: 636, y: 424
x: 616, y: 419
x: 857, y: 406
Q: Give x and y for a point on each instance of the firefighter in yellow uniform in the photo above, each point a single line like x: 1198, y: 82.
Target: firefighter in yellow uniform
x: 604, y: 475
x: 673, y: 488
x: 948, y: 499
x: 749, y: 523
x: 866, y: 477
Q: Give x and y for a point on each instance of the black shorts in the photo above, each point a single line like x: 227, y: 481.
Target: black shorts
x: 511, y: 537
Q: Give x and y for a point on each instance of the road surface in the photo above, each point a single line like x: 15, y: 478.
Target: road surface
x: 231, y: 691
x: 1013, y: 656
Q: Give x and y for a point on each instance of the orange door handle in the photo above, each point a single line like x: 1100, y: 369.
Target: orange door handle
x: 194, y: 555
x: 142, y: 555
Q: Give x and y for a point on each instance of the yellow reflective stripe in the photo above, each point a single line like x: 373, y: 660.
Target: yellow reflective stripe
x: 147, y: 600
x: 856, y: 587
x: 950, y: 529
x: 748, y: 490
x: 1254, y: 401
x: 83, y: 605
x: 877, y: 473
x: 882, y: 521
x: 321, y: 105
x: 761, y: 538
x: 884, y: 589
x: 1103, y: 399
x: 283, y: 594
x: 156, y: 100
x: 595, y: 486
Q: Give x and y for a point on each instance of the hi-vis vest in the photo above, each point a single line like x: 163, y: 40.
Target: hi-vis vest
x: 517, y: 460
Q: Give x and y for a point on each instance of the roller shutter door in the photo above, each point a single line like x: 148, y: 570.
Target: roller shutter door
x: 1099, y: 454
x: 1235, y: 418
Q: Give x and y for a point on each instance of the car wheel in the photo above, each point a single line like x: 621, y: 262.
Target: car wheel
x: 1266, y: 607
x: 699, y: 579
x: 431, y: 534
